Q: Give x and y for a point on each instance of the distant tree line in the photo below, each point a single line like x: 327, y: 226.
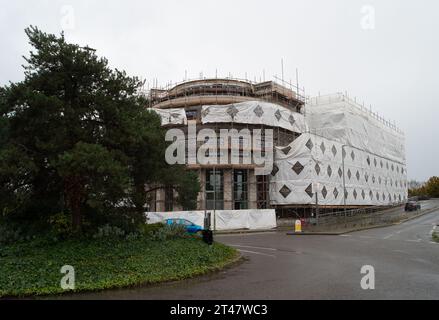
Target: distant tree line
x: 429, y: 189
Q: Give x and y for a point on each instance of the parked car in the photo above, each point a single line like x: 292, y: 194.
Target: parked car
x: 412, y: 206
x: 190, y: 226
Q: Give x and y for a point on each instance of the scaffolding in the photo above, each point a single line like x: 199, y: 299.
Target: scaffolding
x: 225, y: 90
x: 192, y: 94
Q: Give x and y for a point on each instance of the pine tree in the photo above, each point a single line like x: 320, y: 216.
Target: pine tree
x: 76, y: 137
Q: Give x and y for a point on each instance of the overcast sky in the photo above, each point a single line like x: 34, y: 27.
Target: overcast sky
x: 383, y: 52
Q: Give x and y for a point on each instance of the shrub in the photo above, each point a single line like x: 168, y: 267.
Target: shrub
x: 10, y: 235
x: 148, y: 229
x: 172, y: 231
x: 108, y: 231
x: 60, y: 224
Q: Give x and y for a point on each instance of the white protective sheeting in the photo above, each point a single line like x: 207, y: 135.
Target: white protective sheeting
x: 254, y: 112
x: 312, y: 163
x: 196, y: 217
x: 224, y: 219
x: 338, y: 118
x: 172, y: 116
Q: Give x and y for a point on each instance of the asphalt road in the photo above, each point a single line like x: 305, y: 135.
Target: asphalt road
x: 278, y: 266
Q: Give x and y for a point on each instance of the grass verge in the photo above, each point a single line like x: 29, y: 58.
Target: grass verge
x: 435, y: 237
x: 34, y: 268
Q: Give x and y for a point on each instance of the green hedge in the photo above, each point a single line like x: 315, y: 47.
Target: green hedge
x: 34, y: 268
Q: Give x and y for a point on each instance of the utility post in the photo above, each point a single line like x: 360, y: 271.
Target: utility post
x: 214, y: 198
x: 343, y: 155
x: 207, y: 232
x: 317, y: 207
x: 316, y: 191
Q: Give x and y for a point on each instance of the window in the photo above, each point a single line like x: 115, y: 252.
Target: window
x: 169, y: 199
x: 214, y: 189
x: 240, y: 189
x: 191, y: 114
x: 262, y: 189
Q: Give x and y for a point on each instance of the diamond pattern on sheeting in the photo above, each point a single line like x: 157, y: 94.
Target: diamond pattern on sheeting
x: 340, y: 172
x: 324, y: 192
x: 323, y: 148
x: 308, y: 190
x: 205, y: 112
x: 335, y: 193
x: 309, y: 144
x: 275, y: 170
x: 259, y: 112
x: 292, y: 120
x: 298, y: 168
x: 232, y: 111
x: 285, y: 191
x: 329, y: 171
x: 317, y: 168
x: 286, y: 150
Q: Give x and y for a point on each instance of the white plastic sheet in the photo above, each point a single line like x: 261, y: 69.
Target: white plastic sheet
x: 315, y: 164
x: 347, y: 157
x: 252, y: 219
x: 196, y: 217
x: 338, y: 118
x: 172, y: 116
x: 255, y: 112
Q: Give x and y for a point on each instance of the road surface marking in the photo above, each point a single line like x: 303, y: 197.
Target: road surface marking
x: 388, y: 237
x: 419, y: 240
x: 259, y: 253
x: 345, y: 235
x: 262, y: 248
x: 240, y: 234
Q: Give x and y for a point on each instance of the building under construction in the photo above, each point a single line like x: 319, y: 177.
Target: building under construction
x: 328, y: 151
